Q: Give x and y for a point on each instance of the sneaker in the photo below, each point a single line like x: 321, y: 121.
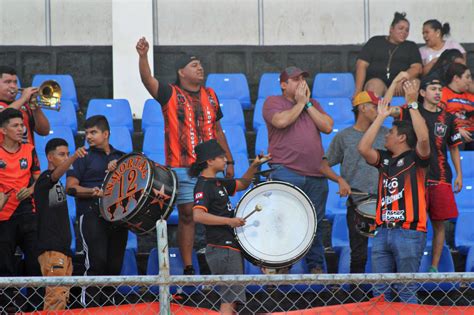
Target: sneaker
x: 433, y: 269
x: 189, y: 271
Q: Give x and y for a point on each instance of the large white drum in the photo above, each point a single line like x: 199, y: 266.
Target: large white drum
x: 283, y: 231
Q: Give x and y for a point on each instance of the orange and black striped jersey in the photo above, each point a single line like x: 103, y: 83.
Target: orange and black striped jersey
x: 443, y: 134
x: 461, y: 105
x: 28, y: 136
x: 16, y: 172
x: 401, y: 189
x: 190, y: 118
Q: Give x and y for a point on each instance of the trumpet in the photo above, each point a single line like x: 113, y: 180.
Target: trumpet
x: 48, y: 95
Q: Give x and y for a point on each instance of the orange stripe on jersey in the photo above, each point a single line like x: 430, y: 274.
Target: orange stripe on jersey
x: 379, y: 202
x: 422, y: 217
x: 200, y: 207
x: 409, y: 206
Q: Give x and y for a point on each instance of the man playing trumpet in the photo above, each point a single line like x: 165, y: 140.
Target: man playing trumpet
x: 33, y: 117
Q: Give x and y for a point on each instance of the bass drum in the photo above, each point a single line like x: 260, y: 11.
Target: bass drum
x: 365, y: 217
x: 283, y: 231
x: 138, y: 193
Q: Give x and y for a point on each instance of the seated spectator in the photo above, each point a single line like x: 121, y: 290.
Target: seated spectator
x: 434, y: 35
x: 459, y: 101
x: 383, y: 57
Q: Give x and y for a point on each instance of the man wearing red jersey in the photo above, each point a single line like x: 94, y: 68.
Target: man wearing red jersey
x: 192, y: 113
x: 33, y: 117
x: 19, y: 169
x: 401, y: 209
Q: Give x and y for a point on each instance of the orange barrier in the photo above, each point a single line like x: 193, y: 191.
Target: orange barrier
x: 375, y: 306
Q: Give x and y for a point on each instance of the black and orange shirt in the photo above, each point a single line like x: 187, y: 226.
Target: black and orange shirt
x: 401, y: 189
x: 212, y: 196
x: 16, y: 171
x: 190, y: 118
x: 461, y: 105
x: 443, y: 134
x: 28, y: 121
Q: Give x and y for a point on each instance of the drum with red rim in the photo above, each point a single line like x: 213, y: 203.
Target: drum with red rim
x: 365, y: 217
x: 138, y: 193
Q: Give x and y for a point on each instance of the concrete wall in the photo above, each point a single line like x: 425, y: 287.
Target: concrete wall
x: 228, y: 22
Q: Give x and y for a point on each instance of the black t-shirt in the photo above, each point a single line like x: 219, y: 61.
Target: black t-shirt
x: 377, y: 53
x: 443, y: 134
x: 54, y: 231
x: 90, y: 171
x: 213, y: 197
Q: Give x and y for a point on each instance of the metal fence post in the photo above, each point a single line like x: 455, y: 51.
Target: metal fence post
x: 164, y: 264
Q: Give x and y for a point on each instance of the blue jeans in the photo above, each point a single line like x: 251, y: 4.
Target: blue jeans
x: 316, y: 188
x: 397, y: 250
x: 185, y: 186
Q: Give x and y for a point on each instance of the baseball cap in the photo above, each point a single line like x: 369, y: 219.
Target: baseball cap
x: 292, y: 72
x: 365, y: 97
x: 208, y: 150
x: 184, y: 60
x: 429, y: 81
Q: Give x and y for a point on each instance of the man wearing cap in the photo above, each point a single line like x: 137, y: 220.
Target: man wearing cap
x: 192, y: 115
x: 443, y: 135
x: 355, y: 170
x: 294, y: 123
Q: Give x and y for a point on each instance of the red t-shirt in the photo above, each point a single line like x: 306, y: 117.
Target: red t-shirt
x: 16, y: 171
x: 461, y: 105
x: 298, y: 146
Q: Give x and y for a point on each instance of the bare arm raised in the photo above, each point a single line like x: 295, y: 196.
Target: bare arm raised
x: 149, y: 81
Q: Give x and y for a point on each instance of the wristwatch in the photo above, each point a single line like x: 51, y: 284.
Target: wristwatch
x: 308, y: 105
x: 413, y: 105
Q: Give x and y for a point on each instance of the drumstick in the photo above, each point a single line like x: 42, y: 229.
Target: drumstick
x: 257, y: 209
x: 356, y: 193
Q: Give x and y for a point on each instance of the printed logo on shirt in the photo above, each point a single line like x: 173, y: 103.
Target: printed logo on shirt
x: 456, y: 137
x: 393, y: 215
x: 23, y: 164
x: 400, y: 162
x: 221, y: 193
x: 440, y: 129
x: 385, y: 162
x: 3, y: 164
x: 198, y: 195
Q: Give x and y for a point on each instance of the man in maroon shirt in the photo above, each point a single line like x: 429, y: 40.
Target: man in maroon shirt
x: 294, y: 123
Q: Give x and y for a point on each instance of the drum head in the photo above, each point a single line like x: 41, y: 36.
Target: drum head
x: 367, y: 208
x: 125, y: 187
x: 283, y: 231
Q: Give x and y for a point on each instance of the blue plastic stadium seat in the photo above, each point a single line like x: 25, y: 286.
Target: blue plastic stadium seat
x: 241, y: 164
x: 258, y: 120
x: 470, y: 260
x: 121, y: 139
x: 327, y: 138
x: 230, y: 86
x: 446, y: 264
x: 464, y: 232
x: 157, y: 157
x: 464, y: 199
x: 235, y: 139
x: 73, y: 236
x: 152, y: 115
x: 333, y: 85
x: 398, y: 101
x: 261, y: 142
x: 71, y: 207
x: 154, y: 140
x: 269, y: 85
x: 335, y: 204
x: 174, y: 216
x: 129, y: 268
x: 176, y: 267
x: 340, y: 109
x: 55, y: 132
x: 66, y: 116
x: 467, y: 164
x: 233, y: 113
x: 117, y: 111
x: 340, y: 233
x: 68, y: 88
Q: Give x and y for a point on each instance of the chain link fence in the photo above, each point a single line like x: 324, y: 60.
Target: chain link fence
x: 441, y: 293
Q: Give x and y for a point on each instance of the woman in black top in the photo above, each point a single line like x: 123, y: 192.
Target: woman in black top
x: 383, y: 57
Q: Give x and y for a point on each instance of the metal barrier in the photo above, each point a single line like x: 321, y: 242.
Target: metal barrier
x: 443, y: 293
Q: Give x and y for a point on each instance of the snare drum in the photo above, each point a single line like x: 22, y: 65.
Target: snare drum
x: 283, y: 231
x: 138, y: 193
x: 365, y: 217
